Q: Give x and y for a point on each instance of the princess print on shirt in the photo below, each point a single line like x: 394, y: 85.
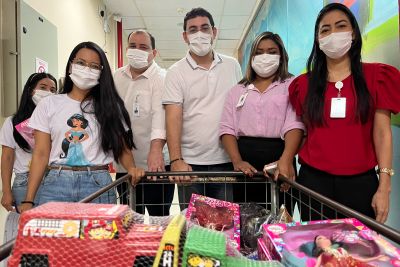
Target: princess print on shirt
x: 72, y: 144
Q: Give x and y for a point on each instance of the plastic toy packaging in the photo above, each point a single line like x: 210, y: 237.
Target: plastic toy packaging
x: 252, y: 218
x: 26, y: 132
x: 216, y: 215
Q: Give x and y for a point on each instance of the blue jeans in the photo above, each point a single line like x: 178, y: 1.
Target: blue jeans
x: 19, y: 187
x: 73, y: 186
x: 215, y: 190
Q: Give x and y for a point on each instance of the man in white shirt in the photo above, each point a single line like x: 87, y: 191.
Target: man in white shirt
x: 140, y: 85
x: 194, y: 95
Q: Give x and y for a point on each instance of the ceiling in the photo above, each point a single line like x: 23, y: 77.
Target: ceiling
x: 164, y: 20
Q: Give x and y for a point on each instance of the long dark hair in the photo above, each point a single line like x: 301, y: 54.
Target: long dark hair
x: 282, y: 72
x: 107, y: 105
x: 318, y: 74
x: 26, y: 106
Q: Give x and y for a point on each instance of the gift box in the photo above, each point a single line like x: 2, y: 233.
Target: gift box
x: 263, y: 253
x: 335, y: 242
x: 217, y: 215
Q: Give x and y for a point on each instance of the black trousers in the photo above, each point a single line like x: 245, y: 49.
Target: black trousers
x: 353, y: 191
x: 157, y: 198
x: 259, y: 152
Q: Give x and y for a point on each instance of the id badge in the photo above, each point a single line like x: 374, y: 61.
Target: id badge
x: 136, y: 110
x: 242, y: 99
x: 338, y: 107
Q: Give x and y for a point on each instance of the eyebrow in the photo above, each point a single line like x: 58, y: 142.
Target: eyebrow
x: 337, y: 22
x: 194, y: 26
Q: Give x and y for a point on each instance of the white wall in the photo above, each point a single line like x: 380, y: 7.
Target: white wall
x: 77, y: 21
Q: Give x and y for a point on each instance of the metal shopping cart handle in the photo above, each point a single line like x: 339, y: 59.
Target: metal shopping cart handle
x: 206, y: 176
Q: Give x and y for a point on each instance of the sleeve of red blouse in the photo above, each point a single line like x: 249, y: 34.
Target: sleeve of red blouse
x: 294, y: 96
x: 388, y: 88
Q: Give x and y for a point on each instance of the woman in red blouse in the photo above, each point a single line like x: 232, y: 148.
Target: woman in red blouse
x: 346, y: 106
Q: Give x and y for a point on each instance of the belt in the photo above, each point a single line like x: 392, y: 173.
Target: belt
x: 78, y: 168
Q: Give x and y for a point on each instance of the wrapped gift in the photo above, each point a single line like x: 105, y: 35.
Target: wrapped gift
x: 217, y: 215
x: 263, y: 252
x: 335, y: 242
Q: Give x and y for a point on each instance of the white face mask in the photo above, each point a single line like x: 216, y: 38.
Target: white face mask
x: 39, y: 95
x: 137, y: 58
x: 85, y: 78
x: 336, y: 44
x: 200, y: 43
x: 265, y: 65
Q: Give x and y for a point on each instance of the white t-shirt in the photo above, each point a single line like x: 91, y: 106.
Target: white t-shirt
x: 75, y: 139
x: 142, y: 98
x: 202, y: 94
x: 22, y: 159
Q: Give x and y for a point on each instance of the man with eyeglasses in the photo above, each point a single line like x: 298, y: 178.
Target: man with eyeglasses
x: 194, y: 95
x: 140, y: 84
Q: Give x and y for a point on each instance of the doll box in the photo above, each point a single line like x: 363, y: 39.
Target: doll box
x: 348, y: 240
x: 217, y: 215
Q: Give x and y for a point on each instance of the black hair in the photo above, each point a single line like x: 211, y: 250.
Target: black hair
x: 197, y: 12
x: 77, y: 117
x: 27, y: 106
x: 152, y: 40
x: 318, y: 74
x: 316, y: 251
x: 107, y: 105
x: 282, y: 72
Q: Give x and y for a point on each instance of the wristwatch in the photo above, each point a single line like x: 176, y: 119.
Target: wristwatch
x: 385, y: 170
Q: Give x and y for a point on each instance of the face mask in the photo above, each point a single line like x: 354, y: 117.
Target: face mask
x: 39, y: 95
x: 137, y: 58
x: 85, y: 78
x: 265, y: 65
x: 200, y: 43
x: 336, y: 44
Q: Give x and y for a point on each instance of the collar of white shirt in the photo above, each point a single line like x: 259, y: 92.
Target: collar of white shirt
x: 192, y: 63
x: 151, y: 70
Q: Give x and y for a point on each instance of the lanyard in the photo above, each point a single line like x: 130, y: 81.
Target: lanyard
x: 339, y: 86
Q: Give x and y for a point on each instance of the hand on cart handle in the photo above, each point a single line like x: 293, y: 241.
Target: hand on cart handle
x: 380, y: 204
x: 136, y: 175
x: 278, y: 168
x: 180, y: 166
x: 155, y: 163
x: 244, y: 167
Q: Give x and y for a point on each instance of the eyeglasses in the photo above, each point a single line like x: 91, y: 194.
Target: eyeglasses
x: 203, y: 28
x: 81, y: 64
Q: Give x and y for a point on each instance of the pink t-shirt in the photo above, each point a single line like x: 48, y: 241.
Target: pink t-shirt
x: 268, y: 114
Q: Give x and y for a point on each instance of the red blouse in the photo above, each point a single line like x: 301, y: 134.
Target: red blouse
x: 344, y: 146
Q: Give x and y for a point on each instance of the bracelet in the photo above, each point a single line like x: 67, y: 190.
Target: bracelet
x: 28, y: 202
x: 388, y: 171
x: 172, y: 161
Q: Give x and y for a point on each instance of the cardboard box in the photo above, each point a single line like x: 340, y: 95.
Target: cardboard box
x: 345, y: 240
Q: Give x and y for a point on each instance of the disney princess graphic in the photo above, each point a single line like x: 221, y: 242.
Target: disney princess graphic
x: 72, y: 144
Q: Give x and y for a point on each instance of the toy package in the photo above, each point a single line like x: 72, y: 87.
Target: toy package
x: 340, y: 242
x: 26, y: 132
x: 263, y: 253
x: 217, y: 215
x: 252, y: 218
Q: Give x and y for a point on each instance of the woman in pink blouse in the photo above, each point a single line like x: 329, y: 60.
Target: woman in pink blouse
x: 258, y: 124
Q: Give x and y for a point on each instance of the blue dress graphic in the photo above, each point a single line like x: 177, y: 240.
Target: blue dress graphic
x: 72, y: 144
x: 76, y: 157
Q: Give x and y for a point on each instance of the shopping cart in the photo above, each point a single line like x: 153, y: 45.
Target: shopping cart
x: 301, y: 195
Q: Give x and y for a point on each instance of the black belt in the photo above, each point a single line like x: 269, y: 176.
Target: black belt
x: 78, y: 168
